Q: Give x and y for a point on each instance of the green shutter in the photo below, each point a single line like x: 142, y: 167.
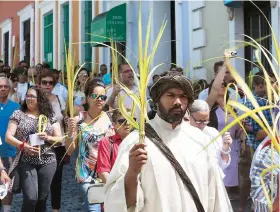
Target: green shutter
x: 48, y: 39
x: 87, y: 29
x: 65, y: 31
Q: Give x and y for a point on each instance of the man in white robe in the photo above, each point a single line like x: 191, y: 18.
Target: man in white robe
x: 143, y: 180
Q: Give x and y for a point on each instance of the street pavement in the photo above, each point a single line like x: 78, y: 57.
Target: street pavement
x: 71, y: 199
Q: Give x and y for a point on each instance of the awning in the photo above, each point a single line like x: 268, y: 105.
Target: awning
x: 109, y: 25
x: 233, y: 3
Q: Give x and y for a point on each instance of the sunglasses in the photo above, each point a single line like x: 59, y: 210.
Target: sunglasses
x: 101, y: 97
x: 45, y: 82
x: 83, y: 75
x: 124, y: 121
x: 224, y: 85
x: 200, y: 122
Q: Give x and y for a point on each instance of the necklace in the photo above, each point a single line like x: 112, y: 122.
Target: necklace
x: 2, y: 106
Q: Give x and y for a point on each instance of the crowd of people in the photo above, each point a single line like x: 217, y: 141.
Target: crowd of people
x: 175, y: 169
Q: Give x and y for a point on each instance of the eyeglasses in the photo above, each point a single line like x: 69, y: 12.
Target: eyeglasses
x: 199, y: 121
x: 45, y: 82
x: 30, y: 97
x: 224, y: 85
x: 124, y: 121
x: 83, y: 75
x: 101, y: 97
x: 4, y: 87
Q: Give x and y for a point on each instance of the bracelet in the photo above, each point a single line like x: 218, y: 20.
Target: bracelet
x: 3, y: 169
x: 226, y: 153
x: 21, y: 147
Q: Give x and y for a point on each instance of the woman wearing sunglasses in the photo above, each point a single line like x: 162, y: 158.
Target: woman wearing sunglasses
x: 46, y: 81
x: 35, y: 171
x: 93, y: 126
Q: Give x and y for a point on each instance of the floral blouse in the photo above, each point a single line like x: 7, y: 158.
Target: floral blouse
x: 27, y: 125
x: 88, y: 146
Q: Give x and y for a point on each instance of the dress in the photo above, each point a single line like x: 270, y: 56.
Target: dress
x: 231, y: 172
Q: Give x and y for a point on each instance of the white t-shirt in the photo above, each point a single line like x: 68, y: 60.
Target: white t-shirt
x: 128, y: 101
x: 204, y: 94
x: 22, y: 89
x: 212, y: 133
x: 60, y: 91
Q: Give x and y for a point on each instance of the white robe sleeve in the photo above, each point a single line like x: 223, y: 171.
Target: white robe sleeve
x: 218, y: 200
x: 221, y: 162
x: 115, y: 188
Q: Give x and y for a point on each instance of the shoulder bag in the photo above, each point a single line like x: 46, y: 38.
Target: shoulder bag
x: 95, y: 192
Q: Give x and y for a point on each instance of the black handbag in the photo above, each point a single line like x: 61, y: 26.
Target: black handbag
x: 15, y: 186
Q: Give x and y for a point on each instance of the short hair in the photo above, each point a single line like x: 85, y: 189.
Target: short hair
x: 46, y: 73
x: 96, y: 82
x: 22, y: 61
x: 258, y: 78
x: 155, y: 76
x: 199, y: 106
x: 217, y: 65
x: 120, y: 67
x: 1, y: 61
x: 103, y: 65
x: 20, y: 71
x: 46, y: 65
x: 8, y: 81
x: 117, y: 113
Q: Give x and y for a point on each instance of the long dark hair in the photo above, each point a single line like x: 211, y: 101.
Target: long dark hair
x: 213, y: 117
x: 44, y: 104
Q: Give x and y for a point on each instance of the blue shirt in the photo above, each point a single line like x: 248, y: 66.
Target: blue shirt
x: 107, y: 79
x: 6, y: 150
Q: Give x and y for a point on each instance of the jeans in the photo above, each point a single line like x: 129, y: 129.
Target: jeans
x: 57, y: 179
x: 35, y: 182
x: 88, y: 207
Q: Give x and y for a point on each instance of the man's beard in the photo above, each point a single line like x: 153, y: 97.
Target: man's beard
x: 168, y: 116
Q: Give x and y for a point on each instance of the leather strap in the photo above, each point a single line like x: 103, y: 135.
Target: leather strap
x: 154, y: 137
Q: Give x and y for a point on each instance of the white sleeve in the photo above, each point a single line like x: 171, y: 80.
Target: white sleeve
x: 65, y: 94
x: 115, y: 200
x: 203, y: 95
x: 221, y: 162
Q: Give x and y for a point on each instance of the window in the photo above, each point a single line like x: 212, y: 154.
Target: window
x: 87, y: 38
x: 65, y: 31
x: 26, y: 40
x: 6, y: 48
x: 48, y: 39
x: 256, y: 26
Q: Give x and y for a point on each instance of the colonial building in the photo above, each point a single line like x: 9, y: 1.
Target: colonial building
x: 16, y: 31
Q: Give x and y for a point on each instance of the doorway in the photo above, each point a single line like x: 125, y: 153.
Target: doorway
x: 256, y: 26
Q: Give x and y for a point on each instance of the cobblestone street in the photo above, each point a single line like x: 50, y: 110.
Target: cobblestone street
x: 71, y: 199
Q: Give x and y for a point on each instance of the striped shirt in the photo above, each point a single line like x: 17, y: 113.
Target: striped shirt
x: 261, y: 162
